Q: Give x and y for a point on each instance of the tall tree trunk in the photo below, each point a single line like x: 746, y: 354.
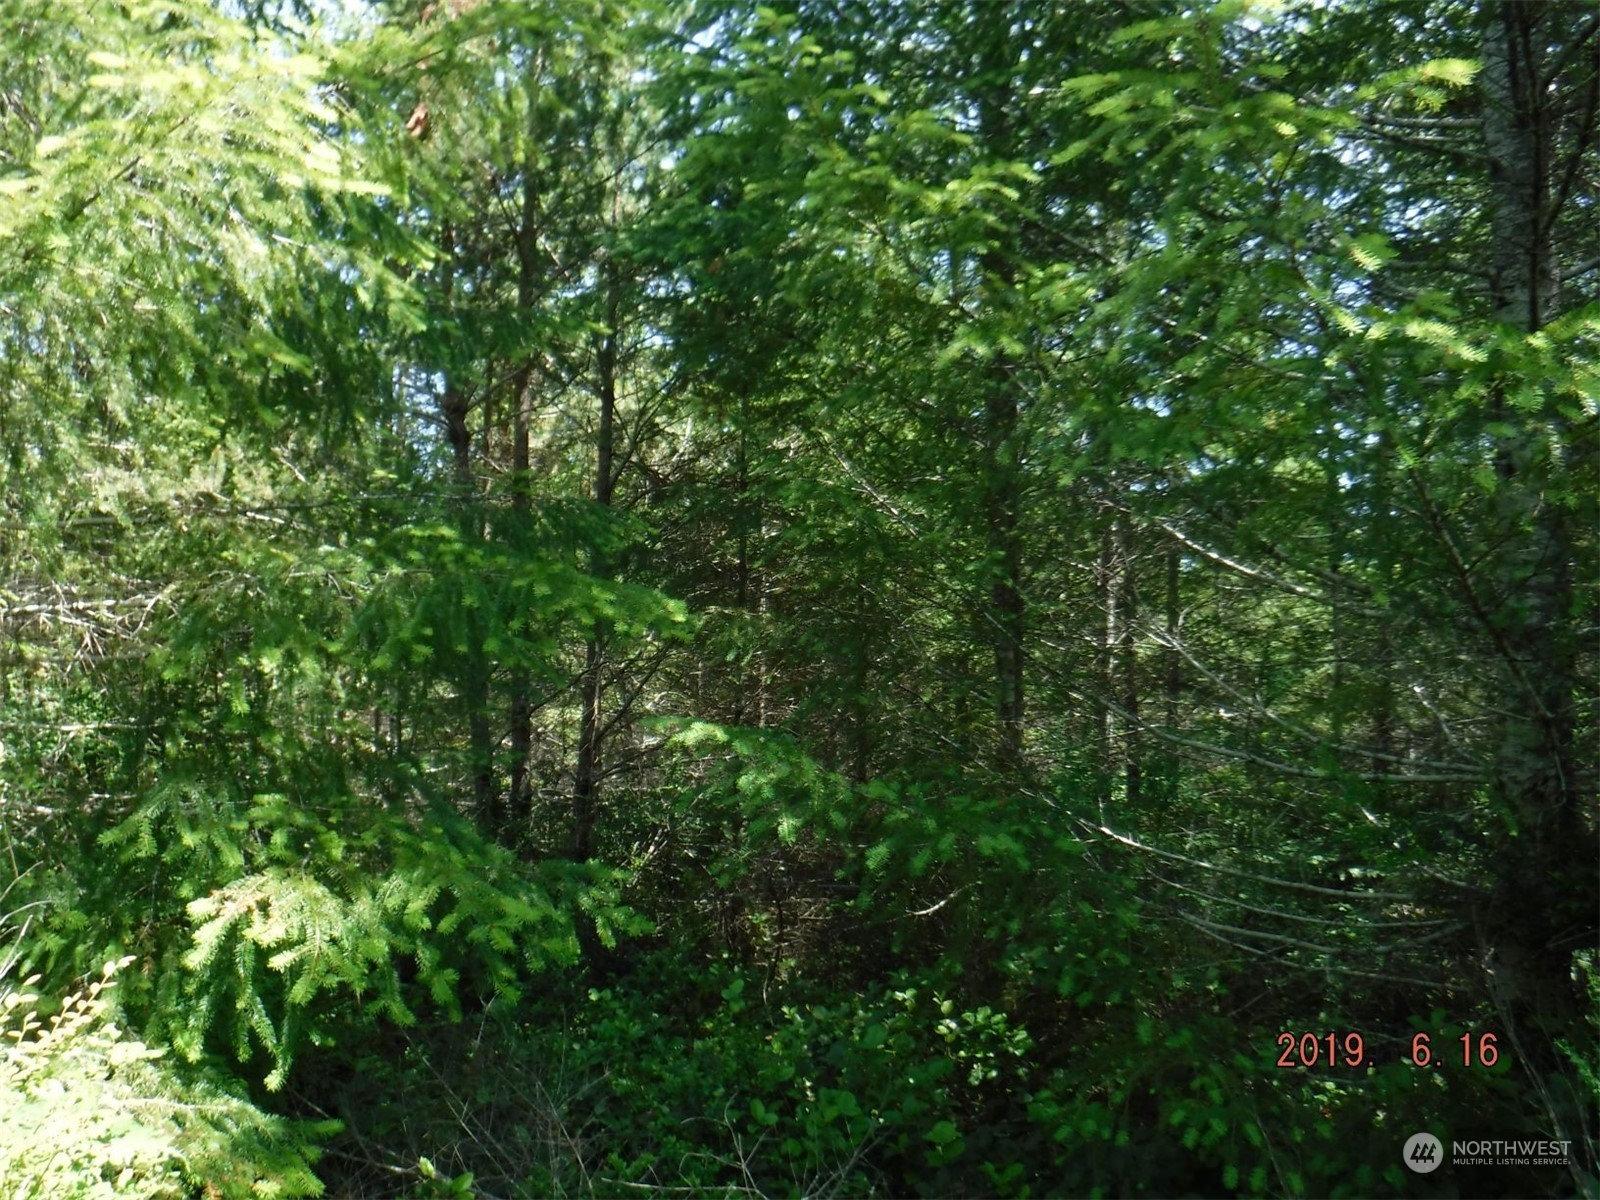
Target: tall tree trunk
x: 1543, y: 905
x: 1127, y: 665
x: 474, y: 682
x: 474, y: 679
x: 519, y: 800
x: 586, y: 778
x: 1173, y: 673
x: 743, y: 507
x: 860, y: 676
x: 1107, y: 632
x: 1002, y: 474
x: 1383, y: 703
x: 1003, y: 503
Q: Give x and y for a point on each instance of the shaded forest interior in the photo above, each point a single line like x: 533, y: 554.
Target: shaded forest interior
x: 828, y: 598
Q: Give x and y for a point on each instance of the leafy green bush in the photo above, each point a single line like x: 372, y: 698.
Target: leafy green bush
x: 91, y: 1112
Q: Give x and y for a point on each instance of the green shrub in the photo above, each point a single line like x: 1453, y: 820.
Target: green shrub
x: 91, y: 1112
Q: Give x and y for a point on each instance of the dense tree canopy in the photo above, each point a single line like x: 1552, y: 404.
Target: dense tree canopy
x: 610, y: 597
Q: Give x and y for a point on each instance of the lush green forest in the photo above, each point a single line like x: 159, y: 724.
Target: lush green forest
x: 825, y: 598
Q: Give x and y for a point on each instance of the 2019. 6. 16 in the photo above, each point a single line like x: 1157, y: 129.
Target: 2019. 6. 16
x: 1310, y: 1049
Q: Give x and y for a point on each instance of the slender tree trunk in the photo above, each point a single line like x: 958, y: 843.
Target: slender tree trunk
x: 760, y: 656
x: 1173, y: 674
x: 860, y: 703
x: 748, y: 517
x: 741, y: 517
x: 474, y: 682
x: 1337, y: 635
x: 1004, y: 501
x: 519, y: 801
x: 1127, y: 666
x: 1002, y: 482
x: 586, y: 778
x: 1383, y: 705
x: 1107, y: 632
x: 585, y: 783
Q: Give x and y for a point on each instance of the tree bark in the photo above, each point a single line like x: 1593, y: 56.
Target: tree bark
x: 1127, y: 665
x: 1543, y: 904
x: 586, y: 777
x: 1107, y: 632
x: 519, y: 800
x: 1173, y: 673
x: 860, y: 677
x: 1002, y: 483
x: 474, y: 680
x: 454, y: 407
